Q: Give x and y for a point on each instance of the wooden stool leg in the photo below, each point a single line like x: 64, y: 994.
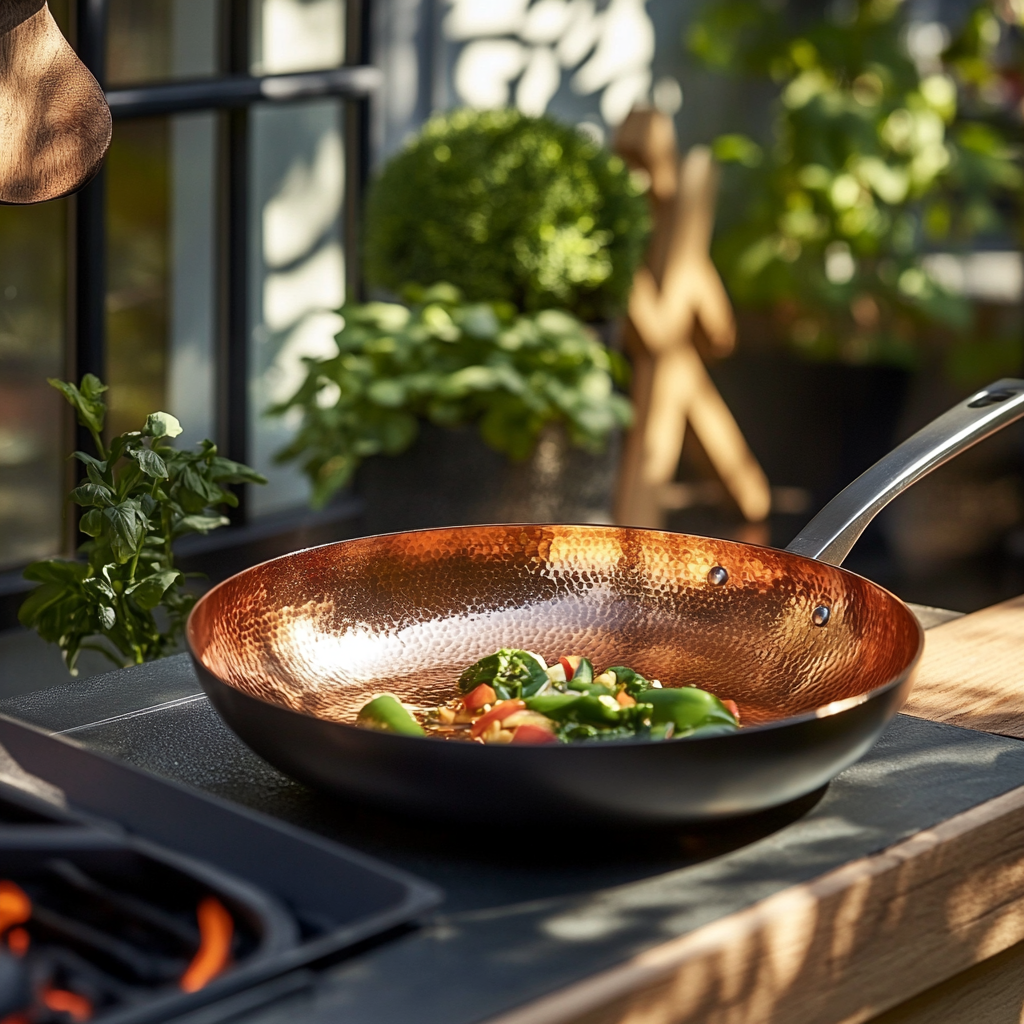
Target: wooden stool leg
x: 722, y: 439
x: 677, y: 288
x: 634, y: 505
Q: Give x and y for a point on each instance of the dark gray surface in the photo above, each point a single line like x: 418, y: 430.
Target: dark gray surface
x: 104, y: 696
x: 27, y: 663
x: 528, y: 914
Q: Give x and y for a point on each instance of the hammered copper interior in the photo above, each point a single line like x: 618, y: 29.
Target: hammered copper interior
x: 321, y: 631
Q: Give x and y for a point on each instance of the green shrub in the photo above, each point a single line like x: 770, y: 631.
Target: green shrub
x: 450, y: 362
x: 508, y: 208
x: 873, y: 161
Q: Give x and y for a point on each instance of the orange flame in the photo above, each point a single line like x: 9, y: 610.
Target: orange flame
x: 18, y: 941
x: 216, y: 929
x: 15, y: 906
x: 77, y: 1007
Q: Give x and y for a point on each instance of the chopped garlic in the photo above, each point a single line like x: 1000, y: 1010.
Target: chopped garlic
x: 527, y: 718
x: 556, y: 674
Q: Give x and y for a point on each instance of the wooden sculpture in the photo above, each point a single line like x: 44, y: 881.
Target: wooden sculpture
x: 674, y: 293
x: 54, y: 120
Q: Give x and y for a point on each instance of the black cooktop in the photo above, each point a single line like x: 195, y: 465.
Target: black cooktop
x: 127, y: 898
x: 523, y: 914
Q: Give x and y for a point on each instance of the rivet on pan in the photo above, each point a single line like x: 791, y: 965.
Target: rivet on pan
x: 821, y: 615
x: 718, y: 575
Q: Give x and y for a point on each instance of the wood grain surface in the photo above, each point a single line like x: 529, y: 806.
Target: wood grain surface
x: 908, y: 934
x: 54, y: 121
x: 991, y: 992
x: 842, y: 948
x: 972, y: 672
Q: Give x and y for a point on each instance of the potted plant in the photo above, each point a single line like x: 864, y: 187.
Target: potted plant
x: 885, y: 144
x: 123, y: 597
x: 535, y: 232
x: 879, y: 152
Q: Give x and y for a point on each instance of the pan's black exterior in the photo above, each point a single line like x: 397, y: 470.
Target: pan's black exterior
x: 289, y: 650
x: 592, y: 783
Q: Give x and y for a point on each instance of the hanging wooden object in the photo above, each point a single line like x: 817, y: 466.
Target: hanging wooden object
x: 676, y: 292
x: 54, y: 120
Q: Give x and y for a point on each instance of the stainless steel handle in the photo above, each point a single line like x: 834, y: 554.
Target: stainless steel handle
x: 831, y: 534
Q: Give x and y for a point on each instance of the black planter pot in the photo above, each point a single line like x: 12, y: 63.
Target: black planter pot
x: 451, y: 478
x: 816, y: 426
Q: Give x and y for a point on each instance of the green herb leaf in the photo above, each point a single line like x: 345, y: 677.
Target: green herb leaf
x: 56, y: 570
x: 100, y: 587
x: 131, y: 498
x: 98, y: 465
x: 161, y: 424
x: 148, y: 592
x: 87, y: 400
x: 92, y: 494
x: 226, y: 471
x: 40, y: 600
x: 199, y: 524
x: 126, y: 527
x: 150, y: 463
x: 92, y: 523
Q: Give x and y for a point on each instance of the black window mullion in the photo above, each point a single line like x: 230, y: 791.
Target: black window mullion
x: 87, y: 273
x: 234, y: 174
x: 239, y: 90
x: 357, y: 145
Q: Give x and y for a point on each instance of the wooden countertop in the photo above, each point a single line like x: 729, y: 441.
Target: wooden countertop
x: 870, y: 935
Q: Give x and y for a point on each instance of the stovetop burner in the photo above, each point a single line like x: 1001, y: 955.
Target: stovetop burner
x: 127, y: 899
x: 96, y: 923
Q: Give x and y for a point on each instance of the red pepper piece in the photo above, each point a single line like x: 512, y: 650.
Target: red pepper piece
x: 478, y: 697
x: 569, y: 665
x: 533, y: 734
x: 496, y: 714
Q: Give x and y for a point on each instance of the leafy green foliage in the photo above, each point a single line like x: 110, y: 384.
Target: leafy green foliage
x: 508, y: 208
x: 450, y: 362
x: 139, y: 496
x: 512, y: 673
x: 873, y: 160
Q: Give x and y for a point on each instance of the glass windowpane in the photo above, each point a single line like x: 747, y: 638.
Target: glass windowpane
x: 161, y: 275
x: 297, y: 35
x: 297, y: 271
x: 34, y: 431
x: 153, y: 40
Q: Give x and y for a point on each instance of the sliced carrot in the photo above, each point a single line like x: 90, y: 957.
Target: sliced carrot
x: 478, y: 697
x: 498, y: 713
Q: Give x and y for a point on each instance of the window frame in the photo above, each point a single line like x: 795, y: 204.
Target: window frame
x: 234, y: 93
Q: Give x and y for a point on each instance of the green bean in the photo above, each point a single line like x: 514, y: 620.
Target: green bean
x: 387, y: 714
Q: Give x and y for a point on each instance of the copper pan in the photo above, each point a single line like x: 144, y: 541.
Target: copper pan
x: 818, y: 659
